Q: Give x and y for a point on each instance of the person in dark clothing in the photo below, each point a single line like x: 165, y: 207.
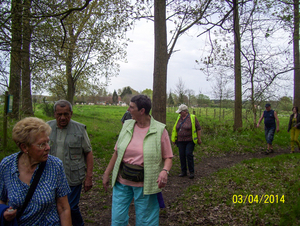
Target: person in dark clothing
x: 126, y: 116
x: 269, y: 117
x: 294, y: 127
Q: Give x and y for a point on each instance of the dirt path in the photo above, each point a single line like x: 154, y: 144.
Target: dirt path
x: 97, y: 210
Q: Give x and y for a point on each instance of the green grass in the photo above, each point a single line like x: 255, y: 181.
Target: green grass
x: 254, y: 192
x: 275, y: 176
x: 103, y: 126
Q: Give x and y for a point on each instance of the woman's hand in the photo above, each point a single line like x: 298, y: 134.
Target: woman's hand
x: 9, y: 214
x: 105, y: 181
x: 199, y: 141
x: 109, y: 169
x: 162, y: 179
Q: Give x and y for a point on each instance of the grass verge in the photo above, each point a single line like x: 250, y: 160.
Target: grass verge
x: 254, y: 192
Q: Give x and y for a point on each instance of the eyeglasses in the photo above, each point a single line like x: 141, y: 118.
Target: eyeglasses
x: 42, y: 146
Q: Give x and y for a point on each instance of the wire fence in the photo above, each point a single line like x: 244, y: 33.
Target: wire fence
x: 226, y: 115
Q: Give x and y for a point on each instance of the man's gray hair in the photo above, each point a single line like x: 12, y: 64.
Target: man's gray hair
x: 62, y: 103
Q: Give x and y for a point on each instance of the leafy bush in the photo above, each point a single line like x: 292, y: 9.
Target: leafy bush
x: 48, y: 108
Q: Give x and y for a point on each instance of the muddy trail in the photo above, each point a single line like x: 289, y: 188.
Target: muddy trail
x: 96, y: 210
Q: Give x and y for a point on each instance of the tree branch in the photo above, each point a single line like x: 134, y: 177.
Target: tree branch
x: 66, y: 14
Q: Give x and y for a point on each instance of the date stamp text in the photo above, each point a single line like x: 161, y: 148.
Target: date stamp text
x: 258, y: 199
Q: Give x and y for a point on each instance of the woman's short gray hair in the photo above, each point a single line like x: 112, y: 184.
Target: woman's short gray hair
x: 25, y: 131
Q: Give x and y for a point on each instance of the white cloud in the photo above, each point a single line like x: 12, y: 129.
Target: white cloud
x: 138, y: 72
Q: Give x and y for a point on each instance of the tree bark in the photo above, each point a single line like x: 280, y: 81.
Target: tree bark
x: 69, y: 63
x: 238, y: 123
x: 70, y: 79
x: 296, y: 55
x: 26, y: 77
x: 160, y: 62
x: 253, y: 102
x: 15, y: 56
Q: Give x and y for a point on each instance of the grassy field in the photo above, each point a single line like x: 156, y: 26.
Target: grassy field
x: 270, y: 177
x: 255, y: 192
x: 103, y: 126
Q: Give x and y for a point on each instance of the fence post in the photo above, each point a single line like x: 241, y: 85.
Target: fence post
x: 214, y: 113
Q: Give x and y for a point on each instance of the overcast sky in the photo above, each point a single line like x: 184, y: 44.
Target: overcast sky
x: 138, y: 72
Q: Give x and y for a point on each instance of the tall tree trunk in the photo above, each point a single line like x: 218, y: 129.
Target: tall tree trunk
x: 70, y: 80
x: 253, y: 102
x: 220, y: 109
x: 15, y: 56
x: 296, y: 55
x: 69, y: 60
x: 238, y: 123
x: 26, y: 78
x: 160, y: 62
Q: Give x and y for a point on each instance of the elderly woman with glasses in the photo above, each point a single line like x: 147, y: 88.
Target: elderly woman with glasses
x: 49, y: 203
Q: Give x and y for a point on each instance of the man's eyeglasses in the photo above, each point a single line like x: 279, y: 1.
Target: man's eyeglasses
x: 44, y: 145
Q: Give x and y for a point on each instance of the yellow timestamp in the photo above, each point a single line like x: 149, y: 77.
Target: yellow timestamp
x: 258, y: 199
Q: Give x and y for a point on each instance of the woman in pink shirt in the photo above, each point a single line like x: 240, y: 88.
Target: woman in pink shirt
x: 140, y: 164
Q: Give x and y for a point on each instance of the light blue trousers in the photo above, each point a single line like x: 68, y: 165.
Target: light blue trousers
x: 146, y: 206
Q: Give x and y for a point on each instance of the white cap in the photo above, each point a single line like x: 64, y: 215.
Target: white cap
x: 181, y: 108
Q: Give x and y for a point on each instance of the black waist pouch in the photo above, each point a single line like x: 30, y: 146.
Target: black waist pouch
x: 132, y: 172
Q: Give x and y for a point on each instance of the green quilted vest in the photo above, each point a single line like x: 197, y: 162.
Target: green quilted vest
x: 153, y: 162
